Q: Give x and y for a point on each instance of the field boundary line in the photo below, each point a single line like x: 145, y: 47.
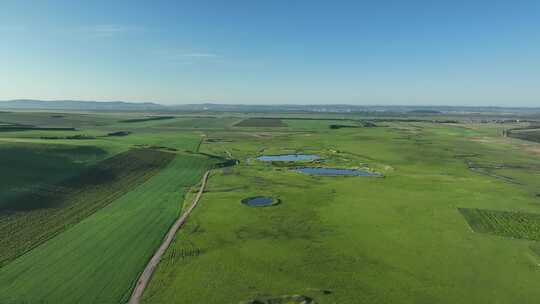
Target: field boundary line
x: 146, y: 275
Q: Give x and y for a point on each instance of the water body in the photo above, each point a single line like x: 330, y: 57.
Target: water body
x: 289, y: 157
x: 336, y: 172
x: 259, y: 201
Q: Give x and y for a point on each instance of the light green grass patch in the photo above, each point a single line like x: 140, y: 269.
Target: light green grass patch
x: 398, y: 239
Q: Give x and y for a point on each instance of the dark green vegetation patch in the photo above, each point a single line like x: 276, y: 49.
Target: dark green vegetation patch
x: 519, y: 225
x: 119, y: 133
x: 26, y: 166
x: 14, y: 128
x: 261, y: 122
x: 147, y: 119
x: 75, y: 137
x: 295, y: 299
x: 53, y: 208
x: 343, y: 126
x: 528, y: 134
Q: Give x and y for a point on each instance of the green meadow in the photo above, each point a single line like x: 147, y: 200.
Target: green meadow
x: 452, y: 218
x: 396, y: 239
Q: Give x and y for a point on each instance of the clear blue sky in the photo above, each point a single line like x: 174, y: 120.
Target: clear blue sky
x: 429, y: 52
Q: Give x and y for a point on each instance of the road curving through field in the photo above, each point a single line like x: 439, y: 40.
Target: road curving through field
x: 146, y: 275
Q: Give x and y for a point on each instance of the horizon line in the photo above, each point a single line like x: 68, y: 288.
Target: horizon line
x: 269, y: 104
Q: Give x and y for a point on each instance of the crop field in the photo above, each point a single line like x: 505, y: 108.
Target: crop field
x: 261, y: 123
x: 79, y: 219
x: 26, y: 166
x: 98, y: 259
x: 87, y: 214
x: 517, y: 225
x: 53, y: 208
x: 7, y: 128
x: 57, y: 120
x: 202, y: 123
x: 527, y: 134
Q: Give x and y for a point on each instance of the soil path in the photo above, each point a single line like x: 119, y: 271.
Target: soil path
x: 154, y: 261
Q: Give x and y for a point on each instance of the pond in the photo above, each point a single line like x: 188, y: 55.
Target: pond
x: 296, y: 299
x: 289, y: 157
x: 336, y: 172
x: 259, y: 201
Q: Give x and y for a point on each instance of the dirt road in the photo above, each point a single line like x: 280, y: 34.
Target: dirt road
x: 154, y: 261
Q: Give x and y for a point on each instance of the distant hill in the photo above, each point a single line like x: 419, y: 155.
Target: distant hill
x: 372, y: 110
x: 427, y: 111
x: 344, y: 108
x: 80, y: 105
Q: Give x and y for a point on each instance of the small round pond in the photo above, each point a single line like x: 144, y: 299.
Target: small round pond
x: 289, y: 157
x: 296, y: 299
x: 260, y: 201
x: 335, y: 172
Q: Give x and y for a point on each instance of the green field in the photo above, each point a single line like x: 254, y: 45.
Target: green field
x: 98, y: 260
x: 517, y: 225
x: 34, y: 216
x: 532, y: 134
x: 89, y: 213
x: 262, y: 122
x: 397, y: 239
x: 28, y: 165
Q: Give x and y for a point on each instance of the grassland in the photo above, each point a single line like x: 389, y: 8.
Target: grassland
x: 397, y: 239
x: 261, y: 122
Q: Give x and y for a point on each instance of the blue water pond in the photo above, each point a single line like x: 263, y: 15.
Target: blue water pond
x: 259, y: 201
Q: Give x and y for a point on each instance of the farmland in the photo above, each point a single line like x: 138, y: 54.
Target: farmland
x: 532, y: 134
x: 105, y: 252
x: 53, y: 208
x: 26, y: 165
x: 261, y: 122
x: 82, y: 209
x: 445, y: 203
x: 509, y: 224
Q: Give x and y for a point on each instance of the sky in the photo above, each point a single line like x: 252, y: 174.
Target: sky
x: 475, y: 52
